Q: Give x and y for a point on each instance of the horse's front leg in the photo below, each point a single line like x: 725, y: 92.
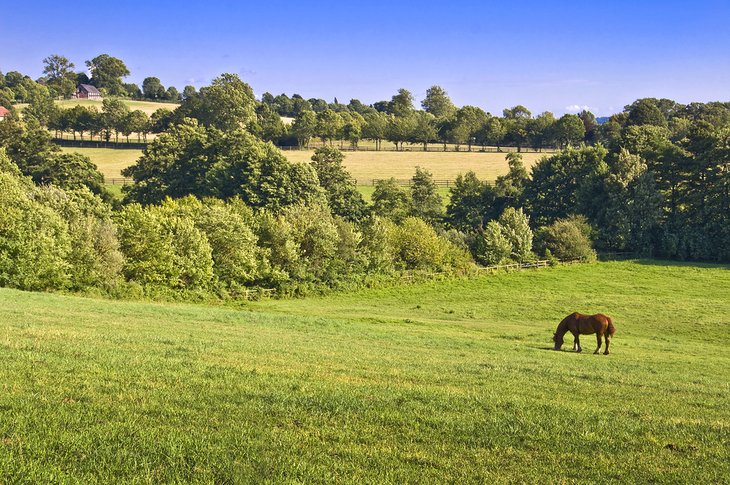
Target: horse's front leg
x: 598, y: 338
x: 576, y: 342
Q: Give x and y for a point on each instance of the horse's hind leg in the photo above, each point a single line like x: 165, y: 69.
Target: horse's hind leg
x: 598, y: 349
x: 608, y: 340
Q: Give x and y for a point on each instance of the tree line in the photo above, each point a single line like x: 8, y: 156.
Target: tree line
x: 215, y: 208
x: 60, y: 80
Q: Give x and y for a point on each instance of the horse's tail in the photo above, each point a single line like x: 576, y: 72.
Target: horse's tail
x: 611, y: 329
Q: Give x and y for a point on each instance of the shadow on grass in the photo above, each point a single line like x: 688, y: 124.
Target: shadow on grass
x: 685, y: 264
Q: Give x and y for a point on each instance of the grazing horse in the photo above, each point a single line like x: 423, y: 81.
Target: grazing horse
x: 578, y: 324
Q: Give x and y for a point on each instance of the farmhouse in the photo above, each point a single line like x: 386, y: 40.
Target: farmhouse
x: 87, y: 91
x: 3, y: 112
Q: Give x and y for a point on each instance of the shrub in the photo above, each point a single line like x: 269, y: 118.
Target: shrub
x: 163, y: 249
x: 494, y: 247
x: 567, y: 239
x: 34, y: 240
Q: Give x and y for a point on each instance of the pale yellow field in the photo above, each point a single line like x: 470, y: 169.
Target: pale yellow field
x: 109, y: 161
x: 368, y: 165
x: 364, y: 165
x: 148, y: 107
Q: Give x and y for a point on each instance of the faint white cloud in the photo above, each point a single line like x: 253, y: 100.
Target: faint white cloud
x: 577, y: 108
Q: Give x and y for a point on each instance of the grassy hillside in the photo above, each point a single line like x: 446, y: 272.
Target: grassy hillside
x: 109, y: 161
x: 447, y: 382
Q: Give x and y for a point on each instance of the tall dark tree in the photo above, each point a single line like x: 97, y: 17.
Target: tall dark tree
x: 153, y: 88
x: 339, y: 186
x: 107, y: 73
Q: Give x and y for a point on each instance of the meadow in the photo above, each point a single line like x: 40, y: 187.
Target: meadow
x: 148, y: 107
x: 364, y: 166
x: 109, y: 161
x: 444, y: 381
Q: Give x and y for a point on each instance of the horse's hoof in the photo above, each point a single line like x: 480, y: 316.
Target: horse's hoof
x: 579, y: 351
x: 605, y: 353
x: 596, y: 352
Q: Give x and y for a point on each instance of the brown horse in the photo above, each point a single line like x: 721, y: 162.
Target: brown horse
x: 578, y: 324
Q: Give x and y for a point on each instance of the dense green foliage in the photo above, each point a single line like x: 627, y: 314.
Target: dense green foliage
x: 437, y: 382
x: 653, y: 180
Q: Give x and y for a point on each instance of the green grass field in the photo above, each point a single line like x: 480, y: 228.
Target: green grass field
x: 109, y: 161
x: 438, y: 382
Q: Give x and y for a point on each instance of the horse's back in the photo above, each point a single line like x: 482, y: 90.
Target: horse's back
x: 588, y: 324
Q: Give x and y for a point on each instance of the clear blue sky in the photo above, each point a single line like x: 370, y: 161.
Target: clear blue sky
x: 545, y: 55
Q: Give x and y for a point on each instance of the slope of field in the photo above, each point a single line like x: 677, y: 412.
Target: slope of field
x: 368, y: 165
x: 439, y: 382
x: 148, y: 107
x: 109, y: 161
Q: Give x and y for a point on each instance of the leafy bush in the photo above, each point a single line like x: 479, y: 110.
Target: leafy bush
x: 34, y: 240
x: 567, y: 239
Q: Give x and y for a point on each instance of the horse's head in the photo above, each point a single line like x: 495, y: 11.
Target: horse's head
x: 558, y: 341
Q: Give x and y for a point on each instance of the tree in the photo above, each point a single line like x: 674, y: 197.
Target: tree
x: 509, y: 188
x: 339, y: 186
x: 515, y: 227
x: 645, y: 112
x: 329, y: 124
x: 114, y: 115
x: 515, y: 124
x: 400, y: 129
x: 563, y: 184
x: 438, y: 103
x: 494, y: 247
x: 468, y: 121
x: 569, y: 130
x: 566, y: 239
x: 228, y: 103
x: 427, y: 203
x: 107, y: 73
x: 492, y: 132
x: 137, y: 122
x: 192, y: 159
x: 132, y: 91
x: 469, y: 203
x: 401, y: 104
x: 390, y: 200
x: 590, y: 124
x: 153, y: 88
x: 304, y: 127
x: 71, y: 171
x: 375, y: 127
x: 188, y: 92
x: 541, y: 130
x: 172, y: 94
x: 424, y: 129
x: 59, y: 71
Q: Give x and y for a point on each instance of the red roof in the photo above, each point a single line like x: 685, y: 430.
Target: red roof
x: 4, y: 111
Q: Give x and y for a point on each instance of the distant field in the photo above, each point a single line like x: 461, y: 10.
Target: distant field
x: 367, y: 165
x: 367, y: 192
x: 109, y: 161
x: 148, y: 107
x: 440, y: 382
x: 364, y: 166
